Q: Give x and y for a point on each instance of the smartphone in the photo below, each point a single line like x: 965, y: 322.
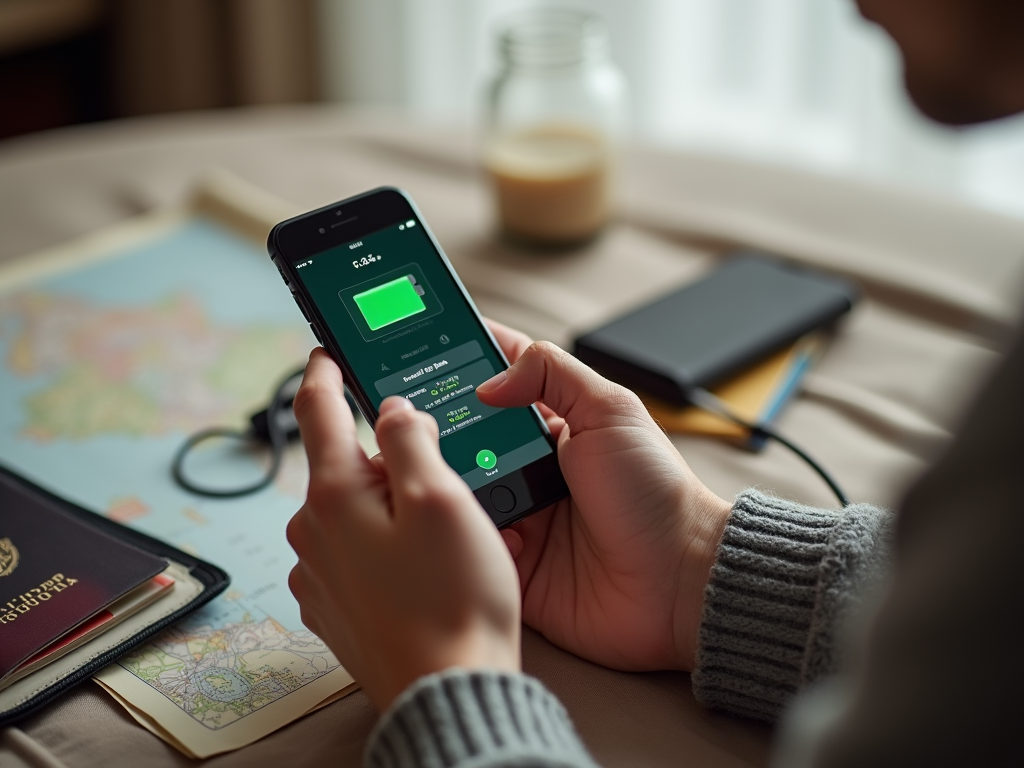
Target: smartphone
x: 750, y: 307
x: 382, y: 298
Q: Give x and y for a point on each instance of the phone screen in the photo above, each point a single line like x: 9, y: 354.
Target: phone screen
x: 406, y: 329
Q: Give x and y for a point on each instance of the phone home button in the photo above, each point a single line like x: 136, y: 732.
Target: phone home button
x: 502, y: 499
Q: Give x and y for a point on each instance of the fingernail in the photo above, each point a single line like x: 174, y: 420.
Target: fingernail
x: 513, y: 541
x: 395, y: 404
x: 492, y: 383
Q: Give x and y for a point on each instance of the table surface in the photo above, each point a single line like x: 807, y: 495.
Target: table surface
x: 941, y: 290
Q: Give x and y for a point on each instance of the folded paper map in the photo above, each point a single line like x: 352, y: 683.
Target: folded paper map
x: 113, y: 349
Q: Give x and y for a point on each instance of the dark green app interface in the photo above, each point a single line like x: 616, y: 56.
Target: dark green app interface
x: 405, y: 329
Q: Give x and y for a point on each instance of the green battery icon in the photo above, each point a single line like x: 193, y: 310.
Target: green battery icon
x: 390, y: 302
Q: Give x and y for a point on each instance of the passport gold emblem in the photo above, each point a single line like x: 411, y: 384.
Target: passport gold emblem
x: 9, y: 557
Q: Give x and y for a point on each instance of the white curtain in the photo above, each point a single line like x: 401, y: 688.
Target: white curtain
x: 797, y: 82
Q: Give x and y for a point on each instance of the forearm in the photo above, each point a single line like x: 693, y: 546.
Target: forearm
x: 785, y: 581
x: 460, y: 718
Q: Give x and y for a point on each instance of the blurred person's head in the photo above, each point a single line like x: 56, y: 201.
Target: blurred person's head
x: 963, y: 59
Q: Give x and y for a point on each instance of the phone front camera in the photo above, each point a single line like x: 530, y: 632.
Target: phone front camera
x: 323, y: 231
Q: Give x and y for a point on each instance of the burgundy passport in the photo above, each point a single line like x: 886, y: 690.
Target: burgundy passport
x: 56, y: 572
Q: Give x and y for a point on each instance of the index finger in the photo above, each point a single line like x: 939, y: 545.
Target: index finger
x: 325, y: 421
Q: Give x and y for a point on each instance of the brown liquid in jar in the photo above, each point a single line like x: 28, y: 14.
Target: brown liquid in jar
x: 551, y: 182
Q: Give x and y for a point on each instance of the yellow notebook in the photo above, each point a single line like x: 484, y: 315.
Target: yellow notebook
x: 756, y: 395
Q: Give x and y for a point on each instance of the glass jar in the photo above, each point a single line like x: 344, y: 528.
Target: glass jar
x: 554, y: 113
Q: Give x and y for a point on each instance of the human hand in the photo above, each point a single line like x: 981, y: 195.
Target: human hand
x: 615, y: 573
x: 400, y: 571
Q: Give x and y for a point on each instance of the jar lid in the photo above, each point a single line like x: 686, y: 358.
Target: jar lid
x: 548, y: 37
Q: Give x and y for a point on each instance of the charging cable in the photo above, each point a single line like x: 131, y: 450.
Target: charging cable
x: 706, y: 401
x: 275, y: 427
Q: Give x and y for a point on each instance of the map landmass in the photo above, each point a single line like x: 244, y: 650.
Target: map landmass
x: 137, y: 371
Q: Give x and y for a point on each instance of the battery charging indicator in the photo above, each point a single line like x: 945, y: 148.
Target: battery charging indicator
x: 393, y: 301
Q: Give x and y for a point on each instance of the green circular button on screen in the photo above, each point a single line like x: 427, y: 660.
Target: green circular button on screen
x: 486, y: 459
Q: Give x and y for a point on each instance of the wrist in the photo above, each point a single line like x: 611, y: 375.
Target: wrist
x: 481, y: 650
x: 708, y: 515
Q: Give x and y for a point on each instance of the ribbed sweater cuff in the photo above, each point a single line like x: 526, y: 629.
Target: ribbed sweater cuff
x: 463, y: 719
x: 783, y: 581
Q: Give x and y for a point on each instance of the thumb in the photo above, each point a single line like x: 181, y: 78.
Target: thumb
x: 548, y: 374
x: 417, y: 474
x: 325, y: 420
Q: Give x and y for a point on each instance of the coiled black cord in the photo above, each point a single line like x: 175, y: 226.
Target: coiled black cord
x: 273, y: 427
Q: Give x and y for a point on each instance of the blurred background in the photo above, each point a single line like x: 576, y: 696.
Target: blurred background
x: 805, y: 83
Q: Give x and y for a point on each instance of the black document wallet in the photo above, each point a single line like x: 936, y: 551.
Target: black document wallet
x: 107, y: 558
x: 742, y: 312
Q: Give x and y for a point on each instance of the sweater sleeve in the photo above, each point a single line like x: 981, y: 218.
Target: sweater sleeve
x: 786, y: 580
x: 473, y: 719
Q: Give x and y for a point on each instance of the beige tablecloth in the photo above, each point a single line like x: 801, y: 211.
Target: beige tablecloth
x: 942, y: 285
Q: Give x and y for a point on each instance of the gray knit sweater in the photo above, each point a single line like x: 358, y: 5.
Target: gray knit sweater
x: 784, y: 586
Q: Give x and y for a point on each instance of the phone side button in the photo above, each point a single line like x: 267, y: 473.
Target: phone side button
x: 302, y: 309
x: 280, y: 270
x: 502, y: 499
x: 315, y: 334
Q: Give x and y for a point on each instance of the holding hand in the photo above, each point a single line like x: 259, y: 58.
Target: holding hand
x: 615, y: 573
x: 400, y: 571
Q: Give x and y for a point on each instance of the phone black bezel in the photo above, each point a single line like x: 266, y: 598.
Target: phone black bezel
x: 348, y: 220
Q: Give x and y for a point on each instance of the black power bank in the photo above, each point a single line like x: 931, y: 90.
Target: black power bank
x: 744, y: 311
